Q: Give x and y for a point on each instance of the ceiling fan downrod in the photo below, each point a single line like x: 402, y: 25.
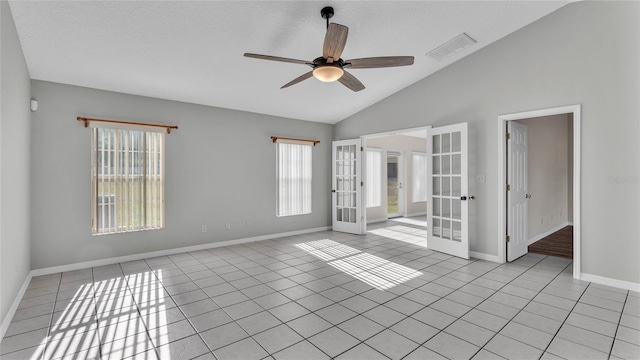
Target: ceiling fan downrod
x: 327, y: 13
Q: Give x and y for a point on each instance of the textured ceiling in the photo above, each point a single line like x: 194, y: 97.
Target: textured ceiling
x: 192, y: 51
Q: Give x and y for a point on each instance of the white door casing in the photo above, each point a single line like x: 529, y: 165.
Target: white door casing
x: 447, y: 190
x: 517, y: 188
x: 346, y: 203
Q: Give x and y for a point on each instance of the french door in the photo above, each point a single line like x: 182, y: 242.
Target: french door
x: 517, y: 197
x: 447, y: 190
x: 346, y: 190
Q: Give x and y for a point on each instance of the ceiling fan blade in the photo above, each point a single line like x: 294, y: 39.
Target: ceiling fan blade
x: 351, y: 82
x: 277, y: 58
x: 380, y: 62
x: 300, y: 78
x: 334, y: 41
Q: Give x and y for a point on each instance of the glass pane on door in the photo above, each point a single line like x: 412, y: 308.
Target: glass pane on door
x: 447, y: 173
x: 446, y: 180
x: 346, y: 183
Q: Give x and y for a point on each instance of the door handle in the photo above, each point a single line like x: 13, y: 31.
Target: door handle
x: 333, y: 191
x: 527, y: 196
x: 464, y: 198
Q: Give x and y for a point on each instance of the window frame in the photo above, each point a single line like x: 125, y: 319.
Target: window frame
x: 413, y: 176
x: 124, y: 178
x: 369, y: 182
x: 305, y: 208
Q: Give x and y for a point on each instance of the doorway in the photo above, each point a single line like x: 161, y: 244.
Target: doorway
x: 545, y: 216
x: 436, y: 175
x: 393, y: 190
x: 395, y: 195
x: 549, y: 182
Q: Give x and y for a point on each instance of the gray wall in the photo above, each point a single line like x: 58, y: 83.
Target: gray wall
x: 15, y: 124
x: 406, y: 145
x: 220, y: 167
x: 585, y: 53
x: 548, y: 175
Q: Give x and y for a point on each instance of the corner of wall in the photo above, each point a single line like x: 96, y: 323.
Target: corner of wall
x: 15, y: 176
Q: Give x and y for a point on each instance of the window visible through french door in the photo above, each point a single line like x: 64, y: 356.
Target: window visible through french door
x: 127, y: 192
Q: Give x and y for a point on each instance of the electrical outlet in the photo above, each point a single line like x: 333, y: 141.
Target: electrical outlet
x: 247, y: 224
x: 480, y: 179
x: 204, y: 228
x: 227, y: 226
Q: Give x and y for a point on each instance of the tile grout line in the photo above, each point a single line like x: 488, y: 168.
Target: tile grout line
x: 95, y: 308
x: 279, y: 291
x: 472, y: 308
x: 565, y: 319
x: 146, y: 328
x: 519, y: 310
x: 378, y: 305
x: 53, y: 311
x: 618, y: 325
x: 181, y: 311
x: 287, y: 258
x: 263, y: 309
x: 235, y: 321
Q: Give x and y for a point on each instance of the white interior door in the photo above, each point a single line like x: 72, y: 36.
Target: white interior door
x: 347, y: 187
x: 517, y: 241
x: 447, y: 187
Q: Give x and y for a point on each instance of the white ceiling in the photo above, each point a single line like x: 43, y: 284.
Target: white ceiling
x: 192, y: 51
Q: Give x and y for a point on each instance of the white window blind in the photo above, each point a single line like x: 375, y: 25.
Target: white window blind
x: 127, y: 180
x: 293, y: 171
x: 418, y: 177
x: 374, y: 176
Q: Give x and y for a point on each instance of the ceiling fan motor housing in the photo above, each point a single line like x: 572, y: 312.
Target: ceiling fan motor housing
x: 327, y: 12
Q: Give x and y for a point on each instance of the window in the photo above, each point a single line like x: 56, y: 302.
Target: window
x: 418, y: 177
x: 293, y: 175
x: 374, y: 176
x: 127, y: 180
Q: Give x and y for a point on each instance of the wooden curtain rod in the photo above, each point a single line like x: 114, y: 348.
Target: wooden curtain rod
x: 275, y: 138
x: 88, y: 120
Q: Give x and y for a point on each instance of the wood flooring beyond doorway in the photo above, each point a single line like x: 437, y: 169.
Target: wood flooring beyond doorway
x: 560, y: 244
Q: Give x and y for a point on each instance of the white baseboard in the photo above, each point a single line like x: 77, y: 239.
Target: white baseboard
x: 627, y: 285
x: 376, y: 220
x: 549, y: 232
x: 416, y: 214
x: 14, y: 307
x: 483, y: 256
x: 119, y: 259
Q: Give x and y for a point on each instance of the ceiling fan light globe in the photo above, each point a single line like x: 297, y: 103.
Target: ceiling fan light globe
x: 328, y: 73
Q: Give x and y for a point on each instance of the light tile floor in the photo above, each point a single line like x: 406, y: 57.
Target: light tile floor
x: 325, y: 295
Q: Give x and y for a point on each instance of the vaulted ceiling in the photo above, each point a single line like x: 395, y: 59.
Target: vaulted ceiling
x: 192, y: 51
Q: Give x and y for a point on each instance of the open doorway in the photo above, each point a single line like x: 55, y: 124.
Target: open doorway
x: 539, y: 184
x: 436, y: 174
x: 396, y: 175
x: 549, y: 185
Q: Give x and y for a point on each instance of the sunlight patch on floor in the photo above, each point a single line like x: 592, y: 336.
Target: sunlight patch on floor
x: 410, y: 221
x: 99, y: 313
x: 370, y: 269
x: 403, y: 233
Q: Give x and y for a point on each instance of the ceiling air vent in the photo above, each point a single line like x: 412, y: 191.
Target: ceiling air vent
x: 451, y: 47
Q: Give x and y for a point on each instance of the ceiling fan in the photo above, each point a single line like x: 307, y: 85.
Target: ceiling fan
x: 330, y: 67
